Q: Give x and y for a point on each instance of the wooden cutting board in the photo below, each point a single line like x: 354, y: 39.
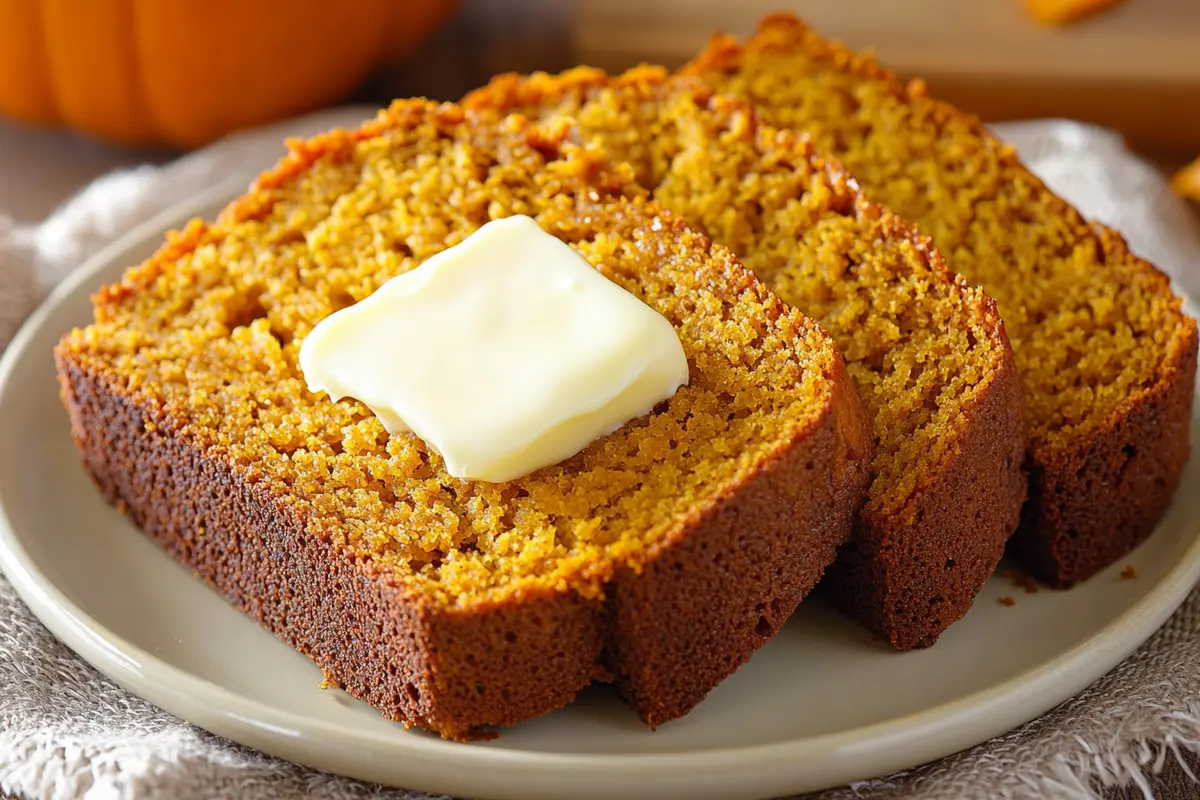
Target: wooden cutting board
x: 1135, y: 68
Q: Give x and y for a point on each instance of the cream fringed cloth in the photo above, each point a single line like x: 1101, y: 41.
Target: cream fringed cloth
x: 67, y: 732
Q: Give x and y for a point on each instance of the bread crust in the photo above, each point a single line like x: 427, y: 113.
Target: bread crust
x: 910, y: 573
x: 1094, y: 499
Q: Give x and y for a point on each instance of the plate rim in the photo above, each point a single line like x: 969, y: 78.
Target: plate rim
x: 797, y: 764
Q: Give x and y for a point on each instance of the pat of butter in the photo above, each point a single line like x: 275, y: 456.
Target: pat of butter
x: 506, y: 353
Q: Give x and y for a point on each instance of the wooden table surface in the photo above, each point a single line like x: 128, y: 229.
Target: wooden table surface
x: 40, y: 168
x: 1135, y: 68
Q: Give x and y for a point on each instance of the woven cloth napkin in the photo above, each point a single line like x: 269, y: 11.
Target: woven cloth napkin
x: 66, y: 731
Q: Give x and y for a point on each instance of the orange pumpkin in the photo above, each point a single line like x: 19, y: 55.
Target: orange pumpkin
x: 184, y: 72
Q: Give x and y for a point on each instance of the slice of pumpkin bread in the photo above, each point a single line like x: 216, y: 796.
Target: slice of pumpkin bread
x: 1107, y: 357
x: 928, y: 353
x: 661, y: 556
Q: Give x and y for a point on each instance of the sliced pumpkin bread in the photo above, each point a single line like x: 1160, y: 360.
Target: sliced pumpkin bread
x: 929, y: 353
x: 1106, y: 354
x: 660, y: 556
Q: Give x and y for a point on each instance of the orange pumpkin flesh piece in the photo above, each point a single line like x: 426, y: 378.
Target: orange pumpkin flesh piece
x: 1062, y: 12
x: 184, y: 72
x: 1186, y: 182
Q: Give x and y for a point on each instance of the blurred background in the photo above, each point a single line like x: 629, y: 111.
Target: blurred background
x: 88, y: 87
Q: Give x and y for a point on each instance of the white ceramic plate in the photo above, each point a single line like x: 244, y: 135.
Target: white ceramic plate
x: 822, y: 704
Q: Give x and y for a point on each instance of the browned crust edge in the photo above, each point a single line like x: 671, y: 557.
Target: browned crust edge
x: 1092, y: 502
x: 906, y: 576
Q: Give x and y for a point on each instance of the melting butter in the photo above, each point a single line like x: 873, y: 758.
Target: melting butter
x: 505, y: 353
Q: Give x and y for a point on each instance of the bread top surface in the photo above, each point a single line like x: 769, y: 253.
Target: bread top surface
x: 921, y: 345
x: 1094, y: 328
x: 207, y: 332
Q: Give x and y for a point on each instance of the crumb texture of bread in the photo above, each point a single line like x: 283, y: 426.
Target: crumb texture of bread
x: 928, y: 353
x: 659, y: 557
x: 1105, y: 352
